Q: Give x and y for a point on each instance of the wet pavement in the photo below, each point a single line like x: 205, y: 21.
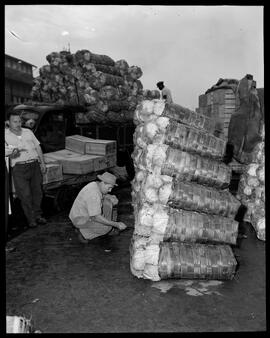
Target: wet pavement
x: 68, y: 287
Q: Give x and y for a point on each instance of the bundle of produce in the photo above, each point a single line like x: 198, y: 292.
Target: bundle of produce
x: 151, y: 94
x: 108, y: 93
x: 135, y: 72
x: 86, y: 56
x: 162, y: 130
x: 136, y: 88
x: 148, y: 110
x: 107, y: 69
x: 177, y: 194
x: 164, y: 224
x: 118, y: 116
x: 122, y: 66
x: 86, y: 78
x: 181, y: 260
x: 251, y: 190
x: 164, y: 160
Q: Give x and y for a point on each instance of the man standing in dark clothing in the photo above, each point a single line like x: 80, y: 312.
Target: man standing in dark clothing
x: 27, y: 167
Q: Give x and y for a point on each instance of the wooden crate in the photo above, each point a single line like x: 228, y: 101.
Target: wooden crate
x: 223, y: 96
x: 53, y: 173
x: 87, y: 145
x: 75, y: 163
x: 111, y: 160
x: 209, y: 98
x: 202, y: 100
x: 76, y: 143
x: 101, y: 147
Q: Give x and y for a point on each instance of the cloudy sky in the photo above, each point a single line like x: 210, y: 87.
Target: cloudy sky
x: 188, y: 47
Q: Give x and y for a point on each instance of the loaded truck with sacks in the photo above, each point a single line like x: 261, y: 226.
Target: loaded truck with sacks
x: 83, y: 95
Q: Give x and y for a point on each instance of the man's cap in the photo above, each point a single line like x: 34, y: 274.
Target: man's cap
x: 107, y: 178
x: 160, y: 83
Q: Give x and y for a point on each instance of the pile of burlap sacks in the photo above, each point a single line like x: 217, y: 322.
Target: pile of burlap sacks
x: 184, y: 213
x: 109, y: 89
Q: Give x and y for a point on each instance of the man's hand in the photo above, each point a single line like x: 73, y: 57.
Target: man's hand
x: 43, y: 168
x: 15, y: 153
x: 121, y: 226
x: 112, y: 198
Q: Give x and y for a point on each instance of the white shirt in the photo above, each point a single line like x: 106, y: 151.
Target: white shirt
x: 26, y: 141
x: 87, y: 204
x: 166, y: 91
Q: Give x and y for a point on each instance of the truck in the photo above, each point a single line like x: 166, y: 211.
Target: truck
x: 52, y: 123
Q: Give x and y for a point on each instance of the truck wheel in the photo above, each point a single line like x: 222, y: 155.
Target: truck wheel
x: 64, y: 198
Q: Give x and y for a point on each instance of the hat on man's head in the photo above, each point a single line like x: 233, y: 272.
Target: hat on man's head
x: 107, y: 178
x: 160, y: 83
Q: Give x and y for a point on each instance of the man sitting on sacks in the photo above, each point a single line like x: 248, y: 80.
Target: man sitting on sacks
x: 88, y: 210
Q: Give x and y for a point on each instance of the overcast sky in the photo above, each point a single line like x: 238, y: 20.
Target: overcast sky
x: 187, y: 47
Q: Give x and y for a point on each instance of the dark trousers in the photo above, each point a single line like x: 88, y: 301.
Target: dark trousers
x: 28, y: 185
x: 6, y: 199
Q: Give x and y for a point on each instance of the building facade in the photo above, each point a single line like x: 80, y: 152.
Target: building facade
x: 18, y: 80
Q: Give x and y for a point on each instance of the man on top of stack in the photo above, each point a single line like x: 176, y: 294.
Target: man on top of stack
x: 165, y: 92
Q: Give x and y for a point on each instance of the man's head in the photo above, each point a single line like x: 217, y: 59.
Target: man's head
x: 107, y: 182
x: 15, y: 122
x: 160, y: 85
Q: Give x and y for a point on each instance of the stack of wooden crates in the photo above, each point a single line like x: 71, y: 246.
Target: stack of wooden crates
x: 219, y: 104
x: 82, y: 155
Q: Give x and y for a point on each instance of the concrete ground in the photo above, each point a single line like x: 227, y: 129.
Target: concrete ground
x: 69, y: 287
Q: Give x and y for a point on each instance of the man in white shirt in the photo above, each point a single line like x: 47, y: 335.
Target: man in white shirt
x: 165, y: 92
x: 86, y: 213
x: 27, y: 167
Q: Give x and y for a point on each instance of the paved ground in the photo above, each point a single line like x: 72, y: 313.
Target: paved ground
x: 68, y: 287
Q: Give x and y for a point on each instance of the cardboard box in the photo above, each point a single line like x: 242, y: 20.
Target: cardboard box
x: 53, y: 173
x: 75, y: 163
x: 86, y: 145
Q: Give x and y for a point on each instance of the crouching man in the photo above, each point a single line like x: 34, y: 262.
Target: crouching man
x: 87, y: 212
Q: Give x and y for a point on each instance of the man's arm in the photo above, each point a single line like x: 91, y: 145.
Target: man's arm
x: 105, y: 221
x: 41, y: 159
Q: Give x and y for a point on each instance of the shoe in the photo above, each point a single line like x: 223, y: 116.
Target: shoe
x: 32, y: 225
x: 113, y: 232
x: 41, y: 220
x: 82, y: 239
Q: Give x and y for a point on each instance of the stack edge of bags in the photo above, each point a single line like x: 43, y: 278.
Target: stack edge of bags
x: 184, y: 213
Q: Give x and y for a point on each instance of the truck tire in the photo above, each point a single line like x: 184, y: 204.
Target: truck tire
x: 64, y: 198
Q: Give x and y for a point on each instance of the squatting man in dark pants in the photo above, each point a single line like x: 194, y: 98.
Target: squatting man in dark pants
x: 27, y: 168
x: 87, y: 212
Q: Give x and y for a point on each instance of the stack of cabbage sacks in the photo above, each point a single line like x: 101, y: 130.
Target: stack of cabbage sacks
x: 251, y: 190
x: 109, y: 89
x: 184, y: 213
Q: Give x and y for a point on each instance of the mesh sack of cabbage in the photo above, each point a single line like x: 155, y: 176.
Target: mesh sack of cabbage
x: 180, y: 260
x: 149, y: 110
x: 162, y: 130
x: 177, y: 194
x: 161, y: 223
x: 165, y: 160
x: 251, y: 191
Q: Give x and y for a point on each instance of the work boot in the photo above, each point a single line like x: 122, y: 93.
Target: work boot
x: 41, y: 220
x: 113, y: 232
x: 81, y: 238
